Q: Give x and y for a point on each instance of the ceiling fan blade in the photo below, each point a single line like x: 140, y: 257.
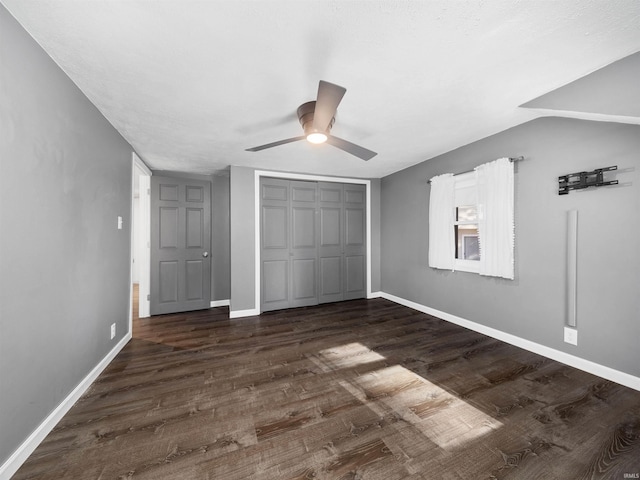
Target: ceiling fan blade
x: 275, y: 144
x: 351, y: 148
x: 329, y: 97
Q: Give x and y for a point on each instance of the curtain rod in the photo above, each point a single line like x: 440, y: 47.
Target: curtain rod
x: 511, y: 159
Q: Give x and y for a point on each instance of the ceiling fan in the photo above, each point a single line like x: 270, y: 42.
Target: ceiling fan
x: 317, y: 118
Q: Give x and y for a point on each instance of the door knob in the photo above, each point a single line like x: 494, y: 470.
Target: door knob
x: 205, y: 254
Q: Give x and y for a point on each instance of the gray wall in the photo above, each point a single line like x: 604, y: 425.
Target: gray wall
x: 65, y: 176
x: 375, y: 235
x: 242, y: 249
x: 243, y: 233
x: 220, y: 249
x: 533, y: 305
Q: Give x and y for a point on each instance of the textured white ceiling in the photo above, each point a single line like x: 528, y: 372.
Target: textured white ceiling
x: 191, y: 84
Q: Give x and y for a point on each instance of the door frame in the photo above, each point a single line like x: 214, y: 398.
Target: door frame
x: 314, y: 178
x: 142, y: 174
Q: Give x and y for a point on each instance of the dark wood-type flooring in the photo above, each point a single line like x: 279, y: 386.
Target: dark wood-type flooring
x: 355, y: 390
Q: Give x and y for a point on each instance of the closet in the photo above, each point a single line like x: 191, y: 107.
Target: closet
x: 312, y: 242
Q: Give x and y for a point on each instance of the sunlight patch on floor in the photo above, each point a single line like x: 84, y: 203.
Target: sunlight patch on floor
x: 349, y: 355
x: 445, y: 419
x: 442, y: 417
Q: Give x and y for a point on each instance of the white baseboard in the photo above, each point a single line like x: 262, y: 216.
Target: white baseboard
x: 254, y: 311
x: 244, y: 313
x: 13, y: 463
x: 220, y: 303
x: 586, y: 365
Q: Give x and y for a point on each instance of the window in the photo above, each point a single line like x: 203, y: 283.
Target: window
x: 469, y: 211
x: 465, y: 229
x: 465, y: 224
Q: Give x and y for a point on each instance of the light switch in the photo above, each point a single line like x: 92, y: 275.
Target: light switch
x: 119, y: 222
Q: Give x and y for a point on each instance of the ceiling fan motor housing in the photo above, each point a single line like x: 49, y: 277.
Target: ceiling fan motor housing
x: 305, y: 116
x: 317, y: 119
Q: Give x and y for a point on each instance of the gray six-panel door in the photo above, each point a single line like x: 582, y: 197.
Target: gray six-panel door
x: 180, y: 245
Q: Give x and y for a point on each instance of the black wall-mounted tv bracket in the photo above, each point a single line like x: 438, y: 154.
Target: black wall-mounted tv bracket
x: 577, y: 181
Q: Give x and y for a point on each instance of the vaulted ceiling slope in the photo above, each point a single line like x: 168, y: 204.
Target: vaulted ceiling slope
x: 192, y: 84
x: 611, y: 93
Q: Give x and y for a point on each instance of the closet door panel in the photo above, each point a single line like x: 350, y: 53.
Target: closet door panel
x: 330, y: 279
x: 275, y: 289
x: 355, y: 248
x: 354, y: 227
x: 313, y: 243
x: 304, y: 280
x: 331, y: 244
x: 354, y: 275
x: 274, y: 227
x: 303, y: 287
x: 274, y: 244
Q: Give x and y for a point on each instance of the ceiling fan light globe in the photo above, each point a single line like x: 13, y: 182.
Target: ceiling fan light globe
x: 317, y: 137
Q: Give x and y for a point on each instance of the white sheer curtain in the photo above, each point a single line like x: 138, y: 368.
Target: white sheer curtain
x: 441, y: 217
x: 496, y: 227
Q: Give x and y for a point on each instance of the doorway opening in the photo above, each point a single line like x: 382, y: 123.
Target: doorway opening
x: 140, y: 239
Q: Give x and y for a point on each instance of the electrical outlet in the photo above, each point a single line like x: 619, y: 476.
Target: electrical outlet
x: 113, y: 330
x: 571, y: 335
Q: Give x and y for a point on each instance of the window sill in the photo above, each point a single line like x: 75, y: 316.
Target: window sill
x: 471, y: 266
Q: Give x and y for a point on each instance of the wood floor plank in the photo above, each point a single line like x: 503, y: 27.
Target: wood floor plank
x: 365, y: 389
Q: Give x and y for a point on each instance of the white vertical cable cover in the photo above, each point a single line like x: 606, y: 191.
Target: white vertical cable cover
x: 572, y: 268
